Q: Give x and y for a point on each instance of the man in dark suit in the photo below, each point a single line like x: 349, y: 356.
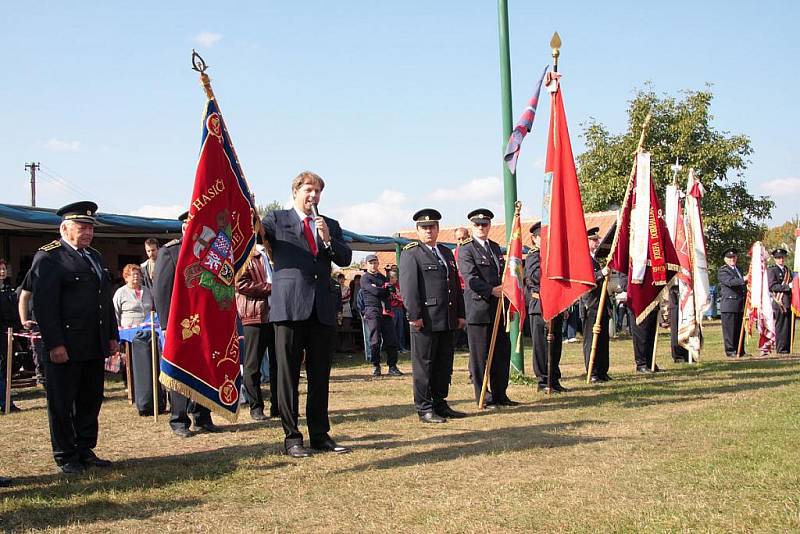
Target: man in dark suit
x: 481, y: 264
x: 589, y: 308
x: 435, y: 306
x: 533, y: 274
x: 72, y: 302
x: 732, y: 286
x: 303, y: 308
x: 163, y: 279
x: 780, y: 285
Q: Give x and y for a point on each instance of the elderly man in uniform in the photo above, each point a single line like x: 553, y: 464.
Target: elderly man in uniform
x: 376, y: 290
x: 780, y: 285
x: 163, y: 279
x: 481, y: 264
x: 533, y: 277
x: 589, y: 308
x: 435, y: 306
x: 72, y: 302
x: 732, y: 286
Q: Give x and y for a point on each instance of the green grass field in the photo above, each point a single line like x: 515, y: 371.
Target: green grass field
x: 713, y: 447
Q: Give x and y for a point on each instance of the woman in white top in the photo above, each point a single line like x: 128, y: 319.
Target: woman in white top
x: 133, y: 303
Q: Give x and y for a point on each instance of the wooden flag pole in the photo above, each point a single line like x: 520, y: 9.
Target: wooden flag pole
x: 791, y: 342
x: 739, y: 348
x: 549, y: 338
x: 154, y: 363
x: 128, y: 372
x: 600, y: 308
x: 485, y: 386
x: 9, y: 367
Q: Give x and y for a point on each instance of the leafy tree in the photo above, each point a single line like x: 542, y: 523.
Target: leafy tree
x: 272, y: 206
x: 782, y: 236
x: 678, y: 128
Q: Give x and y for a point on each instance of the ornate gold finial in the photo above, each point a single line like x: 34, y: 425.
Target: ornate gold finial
x: 555, y: 44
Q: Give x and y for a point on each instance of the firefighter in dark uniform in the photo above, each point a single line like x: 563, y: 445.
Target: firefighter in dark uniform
x: 375, y: 290
x: 435, y: 306
x: 481, y: 264
x: 163, y: 278
x: 732, y: 288
x: 72, y: 303
x: 780, y: 285
x: 590, y: 302
x: 533, y: 273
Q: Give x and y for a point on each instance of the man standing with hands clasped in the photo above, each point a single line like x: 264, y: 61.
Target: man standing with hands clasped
x: 72, y: 302
x: 435, y: 306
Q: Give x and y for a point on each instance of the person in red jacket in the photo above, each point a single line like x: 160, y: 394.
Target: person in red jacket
x: 252, y: 302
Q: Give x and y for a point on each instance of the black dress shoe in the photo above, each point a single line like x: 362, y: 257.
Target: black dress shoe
x: 5, y: 482
x: 209, y: 427
x: 595, y: 379
x: 490, y: 406
x: 72, y: 468
x: 376, y: 371
x: 330, y: 446
x: 182, y: 432
x: 430, y: 417
x: 558, y: 387
x: 644, y: 370
x: 447, y: 411
x: 298, y: 451
x: 508, y: 402
x: 606, y: 378
x: 394, y: 371
x: 258, y: 415
x: 91, y: 460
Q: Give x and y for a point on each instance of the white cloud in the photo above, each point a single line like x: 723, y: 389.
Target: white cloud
x: 382, y: 216
x: 389, y: 196
x: 207, y: 39
x: 485, y: 189
x: 782, y: 186
x: 62, y: 145
x: 159, y: 212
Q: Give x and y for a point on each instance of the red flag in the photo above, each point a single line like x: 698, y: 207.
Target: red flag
x: 201, y: 351
x: 796, y: 293
x: 567, y: 271
x: 514, y: 276
x: 650, y: 273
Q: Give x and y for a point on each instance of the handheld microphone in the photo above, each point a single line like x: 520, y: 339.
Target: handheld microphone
x: 314, y: 210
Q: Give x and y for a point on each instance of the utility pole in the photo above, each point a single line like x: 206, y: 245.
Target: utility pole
x: 32, y: 167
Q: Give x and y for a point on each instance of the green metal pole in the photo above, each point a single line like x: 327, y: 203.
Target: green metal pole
x: 509, y: 179
x: 397, y: 250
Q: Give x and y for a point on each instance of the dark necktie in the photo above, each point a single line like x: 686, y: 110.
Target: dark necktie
x: 89, y: 262
x: 491, y: 256
x: 439, y: 259
x: 310, y: 235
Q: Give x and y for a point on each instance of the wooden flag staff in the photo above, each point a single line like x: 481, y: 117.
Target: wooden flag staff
x: 596, y: 327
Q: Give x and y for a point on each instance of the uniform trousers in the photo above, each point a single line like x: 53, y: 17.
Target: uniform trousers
x: 600, y: 368
x: 381, y: 329
x: 180, y: 407
x: 480, y: 337
x: 731, y: 329
x: 783, y: 323
x: 539, y: 335
x: 292, y: 338
x: 644, y: 335
x: 142, y: 370
x: 74, y: 396
x: 431, y: 367
x: 679, y: 353
x: 258, y: 338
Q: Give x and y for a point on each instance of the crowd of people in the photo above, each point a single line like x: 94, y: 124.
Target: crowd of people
x: 295, y: 311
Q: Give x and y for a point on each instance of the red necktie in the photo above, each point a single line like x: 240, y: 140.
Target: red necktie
x: 310, y: 235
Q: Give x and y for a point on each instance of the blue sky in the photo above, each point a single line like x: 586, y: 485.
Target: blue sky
x: 395, y: 104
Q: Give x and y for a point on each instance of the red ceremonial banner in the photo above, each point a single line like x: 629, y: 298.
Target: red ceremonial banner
x: 514, y: 276
x: 567, y: 271
x: 202, y: 351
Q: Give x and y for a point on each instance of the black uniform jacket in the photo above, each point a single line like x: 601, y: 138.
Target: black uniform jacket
x: 163, y: 278
x: 374, y: 291
x: 732, y: 289
x: 429, y: 293
x: 533, y: 273
x: 72, y: 304
x: 591, y: 300
x: 780, y: 285
x: 480, y: 275
x: 302, y: 282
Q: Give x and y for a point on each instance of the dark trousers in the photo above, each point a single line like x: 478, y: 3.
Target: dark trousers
x: 381, y: 329
x: 480, y: 337
x: 644, y: 335
x: 316, y: 339
x: 259, y: 338
x: 731, y: 329
x: 600, y: 368
x: 74, y: 396
x: 783, y: 333
x: 539, y: 336
x: 679, y: 353
x: 180, y: 408
x: 399, y: 322
x: 142, y: 369
x: 431, y: 367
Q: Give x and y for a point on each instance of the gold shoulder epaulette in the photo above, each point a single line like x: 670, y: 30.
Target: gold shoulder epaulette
x: 50, y: 246
x: 466, y: 241
x: 411, y: 245
x: 172, y: 243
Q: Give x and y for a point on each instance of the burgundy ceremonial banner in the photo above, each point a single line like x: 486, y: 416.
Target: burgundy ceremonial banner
x: 642, y: 248
x: 566, y: 264
x: 513, y: 278
x: 202, y: 353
